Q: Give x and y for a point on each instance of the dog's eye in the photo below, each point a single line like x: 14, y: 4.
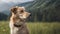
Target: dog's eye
x: 22, y: 11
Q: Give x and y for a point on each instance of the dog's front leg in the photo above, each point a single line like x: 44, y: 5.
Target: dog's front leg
x: 11, y: 28
x: 12, y: 31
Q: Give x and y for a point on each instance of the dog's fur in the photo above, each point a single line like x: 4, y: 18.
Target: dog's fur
x: 17, y: 20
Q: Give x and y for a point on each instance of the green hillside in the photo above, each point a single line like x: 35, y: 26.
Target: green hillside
x: 45, y: 10
x: 42, y: 10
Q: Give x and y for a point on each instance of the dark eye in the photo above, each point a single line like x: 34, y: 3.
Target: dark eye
x: 22, y: 11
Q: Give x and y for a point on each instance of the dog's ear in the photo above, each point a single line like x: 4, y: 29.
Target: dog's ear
x: 14, y: 9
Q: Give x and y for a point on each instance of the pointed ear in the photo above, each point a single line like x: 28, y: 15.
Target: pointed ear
x: 14, y: 9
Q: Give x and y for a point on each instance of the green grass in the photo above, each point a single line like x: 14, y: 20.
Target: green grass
x: 34, y: 28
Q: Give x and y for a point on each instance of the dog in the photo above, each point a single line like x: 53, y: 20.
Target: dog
x: 17, y: 20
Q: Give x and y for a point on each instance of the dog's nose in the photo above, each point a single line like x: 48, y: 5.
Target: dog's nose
x: 30, y: 15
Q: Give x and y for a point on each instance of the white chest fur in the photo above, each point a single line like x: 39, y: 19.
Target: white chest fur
x: 13, y: 30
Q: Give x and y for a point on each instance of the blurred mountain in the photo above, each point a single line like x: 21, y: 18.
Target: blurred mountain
x: 4, y: 7
x: 25, y: 4
x: 45, y: 10
x: 41, y: 10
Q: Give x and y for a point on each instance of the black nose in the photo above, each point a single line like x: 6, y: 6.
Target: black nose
x: 30, y: 15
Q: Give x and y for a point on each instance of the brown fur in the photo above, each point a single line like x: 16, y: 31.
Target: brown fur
x: 18, y: 17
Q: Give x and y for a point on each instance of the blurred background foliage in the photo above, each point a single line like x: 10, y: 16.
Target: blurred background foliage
x: 45, y: 10
x: 41, y: 10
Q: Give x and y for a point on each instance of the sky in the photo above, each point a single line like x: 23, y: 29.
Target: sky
x: 15, y: 1
x: 5, y: 4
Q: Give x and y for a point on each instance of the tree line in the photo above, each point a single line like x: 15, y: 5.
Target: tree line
x: 44, y: 10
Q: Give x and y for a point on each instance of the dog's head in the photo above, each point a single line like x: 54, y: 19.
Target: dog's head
x: 20, y: 12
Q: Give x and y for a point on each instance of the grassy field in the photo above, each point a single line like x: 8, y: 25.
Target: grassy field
x: 34, y: 28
